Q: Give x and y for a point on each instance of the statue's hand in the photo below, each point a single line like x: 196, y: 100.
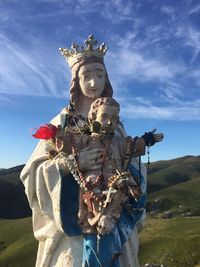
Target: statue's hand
x: 91, y: 159
x: 151, y: 138
x: 105, y: 225
x: 158, y: 137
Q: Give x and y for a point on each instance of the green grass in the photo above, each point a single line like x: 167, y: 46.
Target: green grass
x: 184, y: 195
x: 167, y: 173
x: 174, y: 242
x: 17, y: 245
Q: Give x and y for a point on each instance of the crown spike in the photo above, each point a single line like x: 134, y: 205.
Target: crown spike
x: 76, y: 55
x: 90, y: 42
x: 75, y: 47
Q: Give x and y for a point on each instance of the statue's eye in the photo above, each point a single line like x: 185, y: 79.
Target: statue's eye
x: 86, y: 76
x: 104, y: 116
x: 99, y: 74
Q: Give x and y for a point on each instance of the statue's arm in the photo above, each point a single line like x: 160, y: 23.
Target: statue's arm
x: 146, y: 140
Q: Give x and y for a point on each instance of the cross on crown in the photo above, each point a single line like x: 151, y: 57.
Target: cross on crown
x: 79, y: 53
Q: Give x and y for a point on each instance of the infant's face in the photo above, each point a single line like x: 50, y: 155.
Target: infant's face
x: 108, y: 116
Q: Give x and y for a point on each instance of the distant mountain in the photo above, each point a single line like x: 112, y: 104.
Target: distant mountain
x: 171, y: 184
x: 13, y: 200
x: 166, y: 173
x: 15, y: 169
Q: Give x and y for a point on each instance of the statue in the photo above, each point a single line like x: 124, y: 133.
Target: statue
x: 84, y: 186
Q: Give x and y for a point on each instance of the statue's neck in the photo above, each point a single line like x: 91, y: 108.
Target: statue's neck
x: 84, y: 105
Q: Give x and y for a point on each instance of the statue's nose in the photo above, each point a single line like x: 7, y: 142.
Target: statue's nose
x: 92, y: 82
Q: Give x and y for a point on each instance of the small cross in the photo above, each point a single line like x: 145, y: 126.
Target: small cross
x: 88, y: 196
x: 75, y: 47
x: 108, y: 195
x: 90, y: 42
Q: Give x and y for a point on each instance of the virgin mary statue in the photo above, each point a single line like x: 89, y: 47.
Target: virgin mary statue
x: 53, y: 192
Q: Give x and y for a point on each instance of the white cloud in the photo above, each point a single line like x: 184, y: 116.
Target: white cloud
x: 141, y: 66
x: 195, y: 9
x: 191, y: 37
x: 29, y: 71
x: 144, y: 52
x: 118, y: 11
x: 189, y: 111
x: 172, y: 92
x: 4, y: 98
x: 169, y: 10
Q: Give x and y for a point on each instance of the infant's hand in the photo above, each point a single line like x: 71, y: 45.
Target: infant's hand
x: 91, y: 159
x: 158, y: 137
x: 105, y: 225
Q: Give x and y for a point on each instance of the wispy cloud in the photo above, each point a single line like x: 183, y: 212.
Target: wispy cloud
x: 117, y: 11
x: 194, y: 9
x: 189, y: 111
x: 148, y: 51
x: 190, y: 37
x: 4, y: 98
x: 29, y: 70
x: 139, y: 66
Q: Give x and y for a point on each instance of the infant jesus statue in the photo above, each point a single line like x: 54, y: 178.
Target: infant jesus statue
x: 103, y: 191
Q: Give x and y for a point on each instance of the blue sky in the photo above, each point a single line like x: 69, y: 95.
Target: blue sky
x: 153, y: 63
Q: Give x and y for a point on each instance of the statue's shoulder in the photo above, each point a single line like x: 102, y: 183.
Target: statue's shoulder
x: 59, y: 119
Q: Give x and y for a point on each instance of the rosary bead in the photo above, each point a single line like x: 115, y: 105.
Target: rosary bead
x: 71, y: 157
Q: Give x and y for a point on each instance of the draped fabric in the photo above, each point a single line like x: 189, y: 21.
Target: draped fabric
x: 53, y: 197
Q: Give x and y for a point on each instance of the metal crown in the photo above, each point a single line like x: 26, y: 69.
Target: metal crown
x: 78, y: 54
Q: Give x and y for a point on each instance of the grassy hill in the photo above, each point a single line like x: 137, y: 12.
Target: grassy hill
x: 13, y: 200
x: 173, y: 185
x: 166, y: 173
x: 17, y: 244
x: 174, y: 242
x: 182, y: 198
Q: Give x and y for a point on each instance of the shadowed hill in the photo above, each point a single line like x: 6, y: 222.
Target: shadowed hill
x: 164, y: 174
x: 174, y: 242
x: 173, y: 185
x: 13, y: 200
x: 169, y: 179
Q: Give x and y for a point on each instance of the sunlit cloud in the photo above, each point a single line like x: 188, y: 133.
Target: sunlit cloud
x: 29, y: 71
x: 191, y: 38
x: 186, y: 112
x: 142, y: 53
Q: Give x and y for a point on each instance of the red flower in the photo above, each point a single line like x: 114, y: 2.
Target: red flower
x: 47, y: 131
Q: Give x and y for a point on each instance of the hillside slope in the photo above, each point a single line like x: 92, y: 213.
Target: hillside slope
x: 168, y: 180
x: 13, y: 200
x: 18, y: 247
x: 174, y: 242
x: 166, y: 173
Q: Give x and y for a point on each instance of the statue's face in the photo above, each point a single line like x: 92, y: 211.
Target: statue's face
x: 108, y: 116
x: 92, y: 79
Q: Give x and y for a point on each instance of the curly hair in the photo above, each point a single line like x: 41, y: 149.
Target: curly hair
x: 101, y: 101
x: 75, y: 89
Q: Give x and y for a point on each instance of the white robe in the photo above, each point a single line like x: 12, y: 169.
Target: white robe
x: 42, y: 181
